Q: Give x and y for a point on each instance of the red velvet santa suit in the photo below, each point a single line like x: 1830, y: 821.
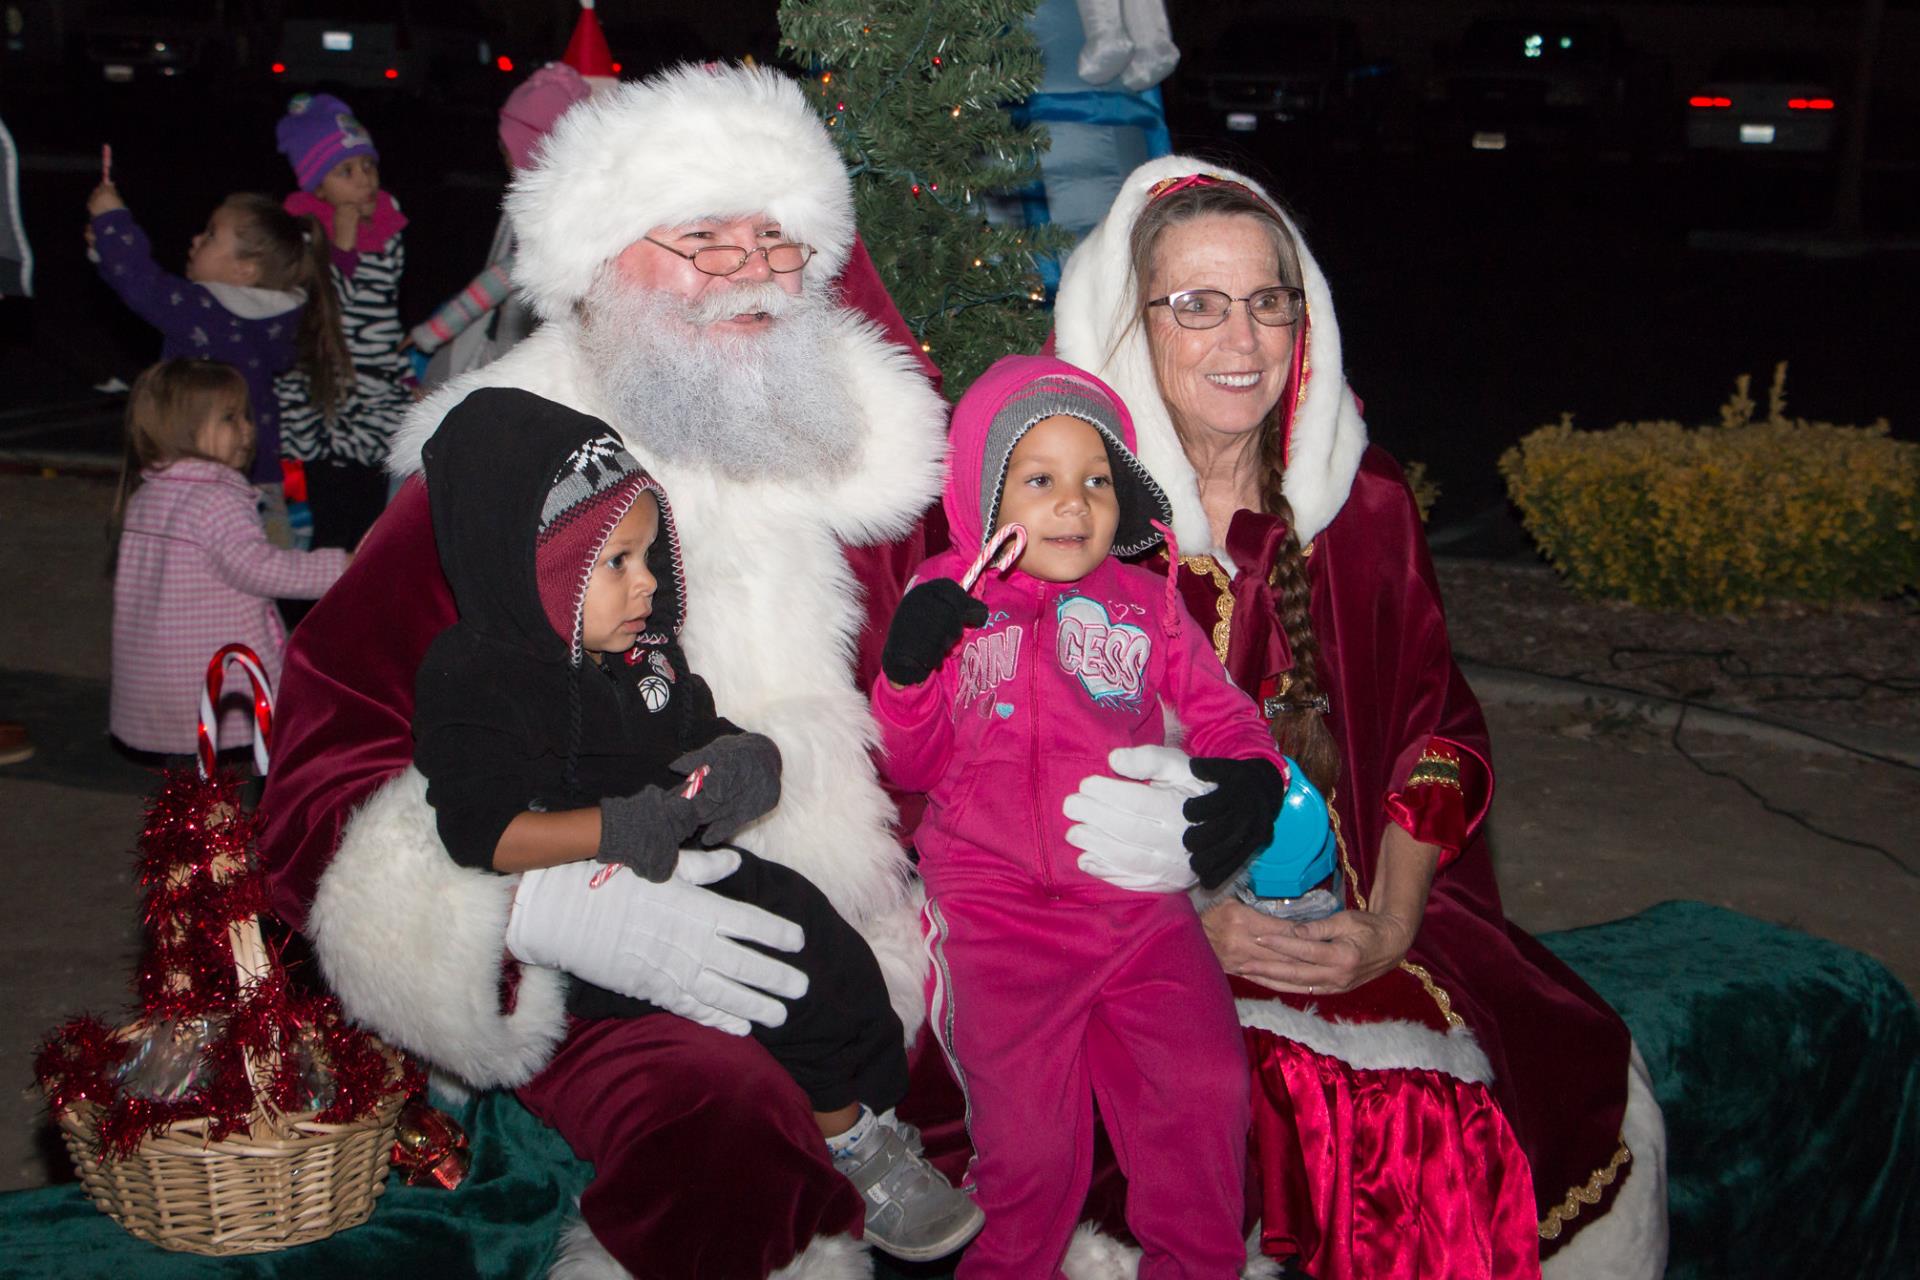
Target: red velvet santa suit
x: 1469, y: 1111
x: 783, y: 583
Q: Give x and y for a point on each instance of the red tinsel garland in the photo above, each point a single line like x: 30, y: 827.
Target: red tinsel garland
x: 199, y: 881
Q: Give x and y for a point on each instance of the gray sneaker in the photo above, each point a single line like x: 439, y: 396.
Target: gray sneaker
x: 913, y: 1213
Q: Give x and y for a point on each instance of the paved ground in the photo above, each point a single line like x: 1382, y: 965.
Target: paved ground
x: 1598, y: 814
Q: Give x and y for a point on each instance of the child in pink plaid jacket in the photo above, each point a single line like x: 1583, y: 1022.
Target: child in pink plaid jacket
x: 194, y: 569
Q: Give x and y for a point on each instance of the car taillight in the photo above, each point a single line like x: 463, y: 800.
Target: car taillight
x: 1708, y: 103
x: 1810, y: 104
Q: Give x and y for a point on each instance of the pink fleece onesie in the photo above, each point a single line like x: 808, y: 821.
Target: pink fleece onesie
x: 1050, y: 988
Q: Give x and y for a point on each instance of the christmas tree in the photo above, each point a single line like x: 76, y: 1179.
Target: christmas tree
x: 917, y: 94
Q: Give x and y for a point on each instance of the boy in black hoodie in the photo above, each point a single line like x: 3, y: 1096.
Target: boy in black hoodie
x: 557, y: 722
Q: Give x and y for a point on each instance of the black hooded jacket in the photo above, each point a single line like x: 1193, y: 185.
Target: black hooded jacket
x: 494, y: 727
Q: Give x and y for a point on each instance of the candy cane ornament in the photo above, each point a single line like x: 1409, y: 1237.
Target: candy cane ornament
x: 209, y: 732
x: 1007, y: 545
x: 695, y: 780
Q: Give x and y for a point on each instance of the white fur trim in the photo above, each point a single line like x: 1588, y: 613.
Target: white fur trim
x: 829, y: 1258
x: 897, y: 945
x: 582, y: 1257
x: 1373, y: 1046
x: 412, y: 943
x: 689, y: 143
x: 1095, y: 1255
x: 1630, y: 1241
x: 1095, y: 303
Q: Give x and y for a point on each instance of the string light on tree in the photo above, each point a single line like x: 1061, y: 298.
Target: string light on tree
x: 897, y: 122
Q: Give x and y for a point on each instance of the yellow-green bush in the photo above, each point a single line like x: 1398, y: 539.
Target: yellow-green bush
x: 1723, y: 517
x: 1426, y: 490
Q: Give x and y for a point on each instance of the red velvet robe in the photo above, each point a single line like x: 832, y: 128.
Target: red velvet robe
x: 1558, y: 1053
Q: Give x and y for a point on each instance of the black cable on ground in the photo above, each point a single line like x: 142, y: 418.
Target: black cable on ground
x: 1769, y: 806
x: 1602, y: 686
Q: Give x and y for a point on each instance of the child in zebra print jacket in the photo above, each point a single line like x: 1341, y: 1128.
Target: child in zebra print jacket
x: 338, y: 430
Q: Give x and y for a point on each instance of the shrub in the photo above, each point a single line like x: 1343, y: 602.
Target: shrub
x: 1723, y: 518
x: 1426, y: 490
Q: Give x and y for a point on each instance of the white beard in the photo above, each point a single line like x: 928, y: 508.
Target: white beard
x: 749, y: 406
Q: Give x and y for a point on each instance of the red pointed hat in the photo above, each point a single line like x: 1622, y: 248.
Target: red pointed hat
x: 587, y: 52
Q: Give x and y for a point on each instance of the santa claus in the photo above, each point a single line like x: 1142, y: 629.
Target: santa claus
x: 800, y: 441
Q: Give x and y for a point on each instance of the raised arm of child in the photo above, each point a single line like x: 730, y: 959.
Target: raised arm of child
x: 910, y: 699
x: 127, y: 265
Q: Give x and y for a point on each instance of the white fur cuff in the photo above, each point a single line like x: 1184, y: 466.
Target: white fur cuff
x: 412, y: 943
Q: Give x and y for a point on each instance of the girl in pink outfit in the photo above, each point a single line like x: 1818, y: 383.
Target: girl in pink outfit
x: 195, y: 570
x: 1052, y: 988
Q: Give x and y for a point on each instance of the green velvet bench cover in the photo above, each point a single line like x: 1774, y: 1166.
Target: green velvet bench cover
x: 1788, y: 1069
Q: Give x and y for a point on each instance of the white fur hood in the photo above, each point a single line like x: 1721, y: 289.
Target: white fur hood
x: 1096, y: 302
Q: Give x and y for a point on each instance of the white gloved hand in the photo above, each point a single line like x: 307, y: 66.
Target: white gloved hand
x: 1131, y: 834
x: 675, y: 944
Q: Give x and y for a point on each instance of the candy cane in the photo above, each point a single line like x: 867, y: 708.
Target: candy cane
x: 695, y: 780
x: 1013, y: 537
x: 262, y: 706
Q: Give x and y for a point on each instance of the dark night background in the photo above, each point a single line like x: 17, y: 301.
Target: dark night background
x: 1597, y: 265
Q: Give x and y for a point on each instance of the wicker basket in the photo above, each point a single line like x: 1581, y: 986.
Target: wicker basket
x: 287, y: 1180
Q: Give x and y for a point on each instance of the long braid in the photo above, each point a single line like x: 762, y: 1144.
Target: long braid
x: 1301, y: 732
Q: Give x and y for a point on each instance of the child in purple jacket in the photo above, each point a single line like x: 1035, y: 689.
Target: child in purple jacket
x: 255, y: 295
x: 1052, y: 987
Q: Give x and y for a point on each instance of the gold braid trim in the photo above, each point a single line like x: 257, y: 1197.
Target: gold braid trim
x: 1567, y: 1210
x: 1436, y: 767
x: 1438, y: 992
x: 1433, y: 989
x: 1207, y: 566
x: 1346, y: 866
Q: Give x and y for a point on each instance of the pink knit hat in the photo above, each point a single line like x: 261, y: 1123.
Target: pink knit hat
x: 531, y: 109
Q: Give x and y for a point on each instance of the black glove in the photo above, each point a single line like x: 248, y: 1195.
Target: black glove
x: 930, y: 619
x: 1233, y: 821
x: 743, y: 782
x: 645, y: 830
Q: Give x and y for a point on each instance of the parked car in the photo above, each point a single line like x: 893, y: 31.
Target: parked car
x: 1552, y: 84
x: 148, y: 41
x: 1764, y: 100
x: 410, y: 46
x: 1296, y: 74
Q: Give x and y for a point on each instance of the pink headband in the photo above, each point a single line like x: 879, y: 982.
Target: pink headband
x: 1169, y: 186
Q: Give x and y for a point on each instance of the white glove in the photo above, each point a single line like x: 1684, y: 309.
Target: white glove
x: 674, y: 944
x: 1131, y: 834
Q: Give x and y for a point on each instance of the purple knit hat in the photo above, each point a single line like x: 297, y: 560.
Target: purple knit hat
x: 317, y: 133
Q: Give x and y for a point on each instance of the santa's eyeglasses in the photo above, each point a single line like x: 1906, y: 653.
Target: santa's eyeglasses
x: 726, y: 259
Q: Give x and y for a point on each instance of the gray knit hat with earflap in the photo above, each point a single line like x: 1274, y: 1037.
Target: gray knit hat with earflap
x: 1141, y: 499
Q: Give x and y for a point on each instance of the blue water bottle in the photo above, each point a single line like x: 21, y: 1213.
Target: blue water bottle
x: 1297, y: 876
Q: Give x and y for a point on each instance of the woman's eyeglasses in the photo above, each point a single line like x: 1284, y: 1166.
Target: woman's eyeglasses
x: 726, y: 259
x: 1207, y: 308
